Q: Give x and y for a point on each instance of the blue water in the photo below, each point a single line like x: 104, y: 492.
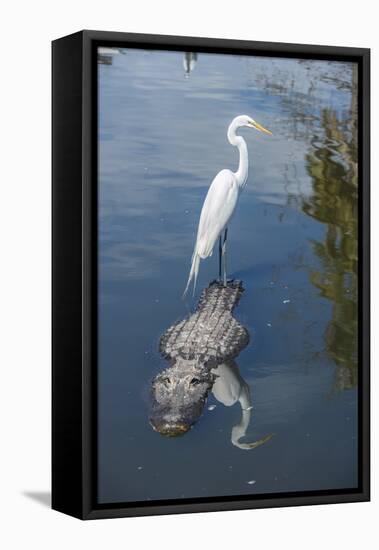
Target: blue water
x: 292, y: 241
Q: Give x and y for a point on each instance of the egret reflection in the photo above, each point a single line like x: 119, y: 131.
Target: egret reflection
x: 229, y: 388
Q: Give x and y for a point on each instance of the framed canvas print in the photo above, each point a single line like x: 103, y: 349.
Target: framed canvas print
x: 210, y: 274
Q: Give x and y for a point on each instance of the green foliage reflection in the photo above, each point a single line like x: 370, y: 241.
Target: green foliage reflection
x: 332, y: 165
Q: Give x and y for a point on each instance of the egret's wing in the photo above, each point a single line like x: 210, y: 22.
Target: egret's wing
x: 217, y: 210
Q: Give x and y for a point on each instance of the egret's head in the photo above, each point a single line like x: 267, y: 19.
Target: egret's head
x: 244, y: 120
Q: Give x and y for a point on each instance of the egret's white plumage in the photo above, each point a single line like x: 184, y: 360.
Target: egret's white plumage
x: 221, y: 200
x: 217, y: 210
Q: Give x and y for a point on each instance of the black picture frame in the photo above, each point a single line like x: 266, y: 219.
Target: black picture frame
x: 74, y: 295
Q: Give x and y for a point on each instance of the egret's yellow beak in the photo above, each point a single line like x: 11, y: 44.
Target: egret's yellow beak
x: 257, y: 126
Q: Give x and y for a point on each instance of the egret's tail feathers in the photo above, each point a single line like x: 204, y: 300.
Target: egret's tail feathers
x: 193, y: 273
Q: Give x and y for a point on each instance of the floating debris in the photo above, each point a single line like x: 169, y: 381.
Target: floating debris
x: 252, y: 482
x: 286, y: 301
x: 211, y: 407
x: 269, y: 324
x: 140, y: 468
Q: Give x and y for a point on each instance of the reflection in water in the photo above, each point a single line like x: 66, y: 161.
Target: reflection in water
x: 332, y: 165
x: 229, y: 388
x: 189, y: 62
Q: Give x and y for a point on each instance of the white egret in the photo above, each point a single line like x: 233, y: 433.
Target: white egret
x: 220, y: 203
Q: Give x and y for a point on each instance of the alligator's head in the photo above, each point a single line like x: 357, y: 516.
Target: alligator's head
x: 178, y: 397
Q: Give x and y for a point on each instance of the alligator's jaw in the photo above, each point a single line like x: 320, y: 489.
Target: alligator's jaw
x: 169, y: 429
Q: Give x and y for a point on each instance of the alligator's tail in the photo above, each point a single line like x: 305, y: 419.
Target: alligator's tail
x: 194, y: 272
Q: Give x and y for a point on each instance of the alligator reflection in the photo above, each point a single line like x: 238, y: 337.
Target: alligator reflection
x: 201, y: 350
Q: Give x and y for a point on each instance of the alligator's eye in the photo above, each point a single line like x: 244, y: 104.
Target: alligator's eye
x: 195, y: 381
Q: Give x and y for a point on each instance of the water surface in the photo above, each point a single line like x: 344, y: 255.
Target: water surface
x: 293, y: 242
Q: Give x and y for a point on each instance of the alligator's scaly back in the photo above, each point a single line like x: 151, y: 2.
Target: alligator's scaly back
x: 210, y: 335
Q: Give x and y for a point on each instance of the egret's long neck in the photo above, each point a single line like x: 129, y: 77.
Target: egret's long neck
x: 243, y: 166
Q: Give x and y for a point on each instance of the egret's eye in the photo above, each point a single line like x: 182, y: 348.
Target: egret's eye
x: 195, y: 381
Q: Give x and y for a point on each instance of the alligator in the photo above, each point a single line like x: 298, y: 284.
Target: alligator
x: 194, y: 348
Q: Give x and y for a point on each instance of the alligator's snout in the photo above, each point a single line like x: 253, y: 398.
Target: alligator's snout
x: 170, y: 429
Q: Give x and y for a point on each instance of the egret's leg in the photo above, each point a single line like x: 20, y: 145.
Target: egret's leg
x: 219, y: 259
x: 224, y: 255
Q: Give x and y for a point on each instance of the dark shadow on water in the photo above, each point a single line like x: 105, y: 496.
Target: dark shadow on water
x: 42, y: 497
